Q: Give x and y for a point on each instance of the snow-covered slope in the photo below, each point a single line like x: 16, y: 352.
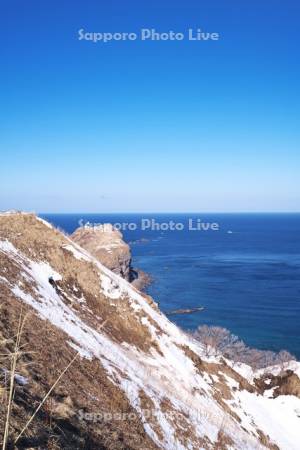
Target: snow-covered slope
x: 183, y: 400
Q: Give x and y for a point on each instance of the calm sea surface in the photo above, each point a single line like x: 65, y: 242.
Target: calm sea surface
x: 246, y: 275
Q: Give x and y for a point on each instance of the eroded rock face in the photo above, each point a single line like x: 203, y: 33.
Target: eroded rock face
x: 107, y: 245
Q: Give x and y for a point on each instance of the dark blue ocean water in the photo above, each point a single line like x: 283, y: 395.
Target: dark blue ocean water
x: 248, y: 280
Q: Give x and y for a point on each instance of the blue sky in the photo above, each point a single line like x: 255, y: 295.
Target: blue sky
x: 149, y: 126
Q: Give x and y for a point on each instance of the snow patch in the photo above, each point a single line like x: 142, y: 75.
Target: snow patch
x: 277, y: 417
x: 76, y: 252
x: 44, y: 222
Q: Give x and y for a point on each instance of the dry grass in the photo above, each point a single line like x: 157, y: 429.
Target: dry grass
x: 85, y: 387
x: 49, y: 393
x: 14, y: 358
x: 45, y: 398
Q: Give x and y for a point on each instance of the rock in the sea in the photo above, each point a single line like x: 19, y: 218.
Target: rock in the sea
x: 106, y: 244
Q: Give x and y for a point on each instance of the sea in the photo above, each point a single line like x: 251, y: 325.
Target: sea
x: 243, y: 269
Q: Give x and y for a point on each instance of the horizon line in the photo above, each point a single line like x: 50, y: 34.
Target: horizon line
x: 173, y: 212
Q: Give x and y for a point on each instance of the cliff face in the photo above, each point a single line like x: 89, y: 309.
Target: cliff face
x: 106, y: 244
x: 135, y: 381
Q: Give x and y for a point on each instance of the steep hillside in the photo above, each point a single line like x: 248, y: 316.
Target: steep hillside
x: 136, y: 381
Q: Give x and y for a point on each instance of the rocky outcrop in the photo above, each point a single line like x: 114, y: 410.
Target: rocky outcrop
x: 107, y: 245
x: 285, y: 383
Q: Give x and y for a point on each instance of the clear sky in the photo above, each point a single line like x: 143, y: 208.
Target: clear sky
x: 150, y: 125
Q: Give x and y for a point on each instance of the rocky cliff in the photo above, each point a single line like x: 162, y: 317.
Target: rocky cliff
x: 107, y: 245
x: 118, y: 373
